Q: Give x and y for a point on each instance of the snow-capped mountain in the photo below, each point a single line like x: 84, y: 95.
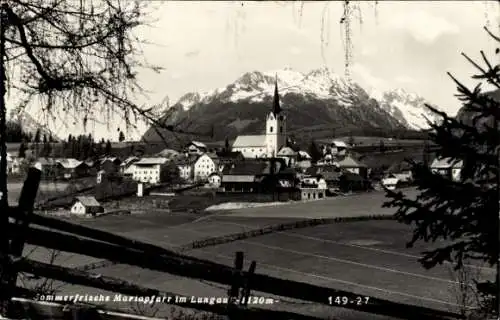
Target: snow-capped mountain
x: 317, y: 99
x: 255, y: 86
x: 408, y: 108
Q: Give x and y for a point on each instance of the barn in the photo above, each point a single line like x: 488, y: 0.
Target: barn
x: 86, y: 205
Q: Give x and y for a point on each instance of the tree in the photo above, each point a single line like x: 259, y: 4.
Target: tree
x: 463, y: 211
x: 121, y: 136
x: 314, y: 151
x: 46, y: 149
x: 351, y: 141
x: 107, y: 149
x: 381, y: 146
x: 37, y: 136
x: 170, y: 173
x: 227, y: 147
x: 22, y: 150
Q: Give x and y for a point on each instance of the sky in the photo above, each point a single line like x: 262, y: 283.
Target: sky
x: 400, y: 44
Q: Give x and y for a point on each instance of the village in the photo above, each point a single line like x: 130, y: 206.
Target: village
x: 267, y: 165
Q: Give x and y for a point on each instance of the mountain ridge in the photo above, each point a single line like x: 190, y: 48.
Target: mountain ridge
x: 319, y: 97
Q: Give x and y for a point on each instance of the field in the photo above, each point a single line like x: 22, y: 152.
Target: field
x: 368, y: 258
x: 46, y: 190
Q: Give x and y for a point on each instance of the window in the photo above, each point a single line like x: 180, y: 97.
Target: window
x: 271, y: 129
x: 281, y: 128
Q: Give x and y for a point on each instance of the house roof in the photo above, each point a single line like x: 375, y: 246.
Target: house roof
x: 129, y: 161
x: 446, y: 163
x: 399, y: 167
x: 304, y: 154
x: 349, y: 162
x: 245, y: 168
x: 89, y: 163
x: 287, y: 151
x: 168, y: 153
x: 198, y: 144
x: 70, y: 163
x: 339, y: 144
x: 111, y: 159
x: 150, y: 161
x: 88, y: 201
x: 250, y: 141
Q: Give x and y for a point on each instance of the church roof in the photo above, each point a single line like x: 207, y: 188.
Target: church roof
x: 250, y: 141
x: 276, y: 99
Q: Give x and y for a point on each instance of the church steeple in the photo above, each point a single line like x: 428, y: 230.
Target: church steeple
x: 276, y: 98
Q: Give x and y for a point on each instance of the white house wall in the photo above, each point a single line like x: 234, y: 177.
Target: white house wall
x: 203, y: 167
x: 251, y: 152
x: 147, y: 174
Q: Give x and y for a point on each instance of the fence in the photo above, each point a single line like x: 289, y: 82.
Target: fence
x: 26, y: 227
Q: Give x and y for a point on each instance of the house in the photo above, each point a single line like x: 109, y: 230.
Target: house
x: 350, y: 181
x: 335, y: 148
x: 243, y: 176
x: 215, y: 179
x: 447, y: 167
x: 204, y: 166
x: 309, y: 193
x: 228, y: 158
x: 269, y: 144
x: 186, y: 167
x: 110, y: 164
x: 304, y: 160
x: 316, y: 181
x: 86, y: 205
x: 289, y: 155
x: 51, y: 169
x: 72, y: 168
x: 391, y: 182
x: 149, y: 170
x: 402, y: 169
x: 127, y: 166
x: 330, y: 174
x: 350, y: 164
x: 14, y: 164
x: 196, y: 148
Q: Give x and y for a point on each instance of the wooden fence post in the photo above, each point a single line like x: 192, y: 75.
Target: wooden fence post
x: 236, y: 283
x: 22, y: 216
x: 245, y: 295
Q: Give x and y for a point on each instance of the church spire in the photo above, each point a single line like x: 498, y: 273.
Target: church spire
x: 276, y: 99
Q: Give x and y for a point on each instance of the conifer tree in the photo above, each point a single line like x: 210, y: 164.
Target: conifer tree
x: 22, y: 150
x: 107, y: 149
x: 463, y: 211
x: 314, y: 151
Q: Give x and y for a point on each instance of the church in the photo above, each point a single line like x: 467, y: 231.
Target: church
x: 269, y: 144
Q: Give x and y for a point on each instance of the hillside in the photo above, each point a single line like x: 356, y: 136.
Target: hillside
x: 22, y: 124
x: 316, y: 103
